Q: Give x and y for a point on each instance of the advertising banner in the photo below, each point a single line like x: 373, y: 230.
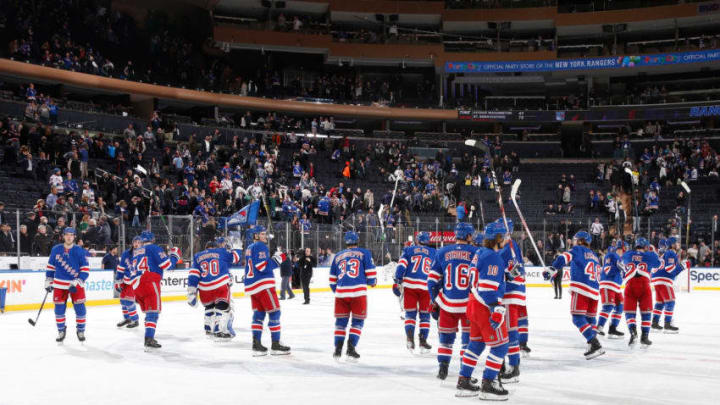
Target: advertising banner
x: 611, y: 62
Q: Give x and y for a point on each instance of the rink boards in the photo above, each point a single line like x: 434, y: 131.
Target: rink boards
x: 25, y: 288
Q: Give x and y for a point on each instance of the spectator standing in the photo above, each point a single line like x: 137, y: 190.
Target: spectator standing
x: 42, y: 242
x: 7, y: 239
x: 110, y: 260
x: 596, y: 229
x: 307, y: 262
x: 286, y: 272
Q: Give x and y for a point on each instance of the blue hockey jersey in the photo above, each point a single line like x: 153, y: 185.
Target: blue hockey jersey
x: 414, y: 266
x: 640, y: 264
x: 211, y: 268
x: 611, y: 277
x: 259, y: 267
x: 324, y: 206
x: 449, y: 278
x: 488, y: 277
x: 125, y: 271
x: 584, y: 269
x: 152, y: 258
x: 670, y: 268
x: 66, y: 265
x: 351, y: 271
x: 514, y: 287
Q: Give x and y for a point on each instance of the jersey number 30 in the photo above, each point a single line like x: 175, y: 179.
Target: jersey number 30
x: 212, y: 267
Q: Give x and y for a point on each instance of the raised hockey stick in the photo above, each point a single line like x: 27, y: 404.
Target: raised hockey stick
x: 34, y: 322
x: 481, y: 146
x: 392, y: 201
x: 513, y: 198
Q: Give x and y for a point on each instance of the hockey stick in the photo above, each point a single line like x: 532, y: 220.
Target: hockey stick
x: 513, y: 198
x: 481, y: 146
x: 502, y: 209
x: 392, y: 201
x: 30, y: 320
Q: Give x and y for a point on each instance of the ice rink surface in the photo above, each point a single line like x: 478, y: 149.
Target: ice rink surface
x: 112, y: 367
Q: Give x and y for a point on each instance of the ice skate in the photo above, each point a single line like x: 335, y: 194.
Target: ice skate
x: 656, y: 325
x: 645, y: 340
x: 81, y: 335
x: 133, y: 324
x: 352, y: 355
x: 594, y: 349
x: 123, y: 323
x: 151, y: 344
x: 465, y: 388
x: 258, y: 349
x: 525, y: 350
x: 424, y: 346
x: 443, y: 371
x: 613, y: 333
x: 61, y: 336
x: 511, y: 374
x: 338, y: 352
x: 493, y: 391
x: 671, y: 329
x: 410, y: 343
x: 633, y: 338
x: 278, y: 349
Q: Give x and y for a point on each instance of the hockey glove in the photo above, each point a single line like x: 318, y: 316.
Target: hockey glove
x: 497, y: 316
x: 77, y: 283
x: 372, y: 282
x: 49, y: 284
x: 279, y: 257
x: 118, y: 286
x: 549, y: 273
x: 513, y: 272
x: 435, y: 311
x: 192, y: 296
x: 397, y: 289
x: 176, y: 253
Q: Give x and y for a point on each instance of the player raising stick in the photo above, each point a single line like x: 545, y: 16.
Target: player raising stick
x: 351, y: 271
x: 449, y: 286
x: 584, y: 269
x: 412, y: 271
x: 260, y: 286
x: 67, y: 270
x: 612, y: 299
x: 210, y: 274
x: 514, y: 301
x: 663, y: 281
x: 639, y: 264
x: 124, y: 273
x: 486, y: 313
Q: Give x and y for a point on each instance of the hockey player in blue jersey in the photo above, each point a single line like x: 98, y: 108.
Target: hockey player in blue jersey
x: 449, y: 286
x: 124, y: 273
x: 260, y: 286
x: 638, y: 265
x: 351, y: 271
x: 487, y: 316
x: 411, y: 272
x: 514, y: 301
x: 150, y: 261
x: 209, y: 280
x: 67, y: 271
x: 611, y: 279
x: 663, y: 281
x: 584, y: 274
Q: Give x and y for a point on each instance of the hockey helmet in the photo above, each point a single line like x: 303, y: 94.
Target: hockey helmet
x: 423, y: 238
x: 583, y: 235
x: 463, y: 230
x: 351, y: 238
x: 641, y: 243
